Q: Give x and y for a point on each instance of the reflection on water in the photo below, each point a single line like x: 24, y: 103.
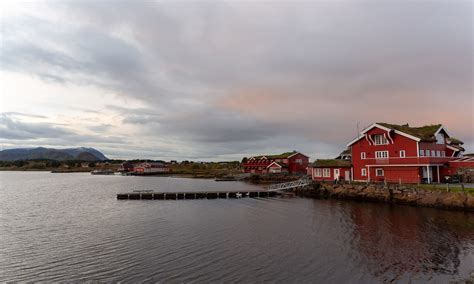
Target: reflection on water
x: 59, y: 227
x: 398, y: 242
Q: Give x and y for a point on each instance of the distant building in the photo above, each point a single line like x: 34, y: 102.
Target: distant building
x: 151, y: 167
x: 289, y: 162
x: 345, y: 155
x: 126, y: 167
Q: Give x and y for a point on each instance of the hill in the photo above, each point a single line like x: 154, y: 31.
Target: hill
x: 81, y: 153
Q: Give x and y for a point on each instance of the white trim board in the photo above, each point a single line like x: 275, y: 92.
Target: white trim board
x: 386, y: 129
x: 407, y: 165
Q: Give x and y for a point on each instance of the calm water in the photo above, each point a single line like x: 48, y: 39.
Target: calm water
x: 58, y: 227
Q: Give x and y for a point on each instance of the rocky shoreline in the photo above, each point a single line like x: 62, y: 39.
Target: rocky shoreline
x: 393, y: 194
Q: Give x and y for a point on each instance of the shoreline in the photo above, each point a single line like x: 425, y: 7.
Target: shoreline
x: 391, y: 194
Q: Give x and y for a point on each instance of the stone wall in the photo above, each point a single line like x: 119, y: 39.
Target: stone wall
x: 396, y: 194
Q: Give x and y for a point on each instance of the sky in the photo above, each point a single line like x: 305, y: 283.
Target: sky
x: 227, y: 79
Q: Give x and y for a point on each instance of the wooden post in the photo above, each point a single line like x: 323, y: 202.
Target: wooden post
x: 462, y: 187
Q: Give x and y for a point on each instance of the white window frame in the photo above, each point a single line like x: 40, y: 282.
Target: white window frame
x: 363, y: 172
x: 377, y: 172
x: 318, y: 172
x: 404, y: 154
x: 379, y: 139
x: 427, y: 153
x: 438, y: 153
x: 433, y: 153
x: 326, y: 172
x: 422, y: 153
x: 363, y: 155
x: 381, y: 155
x: 443, y: 154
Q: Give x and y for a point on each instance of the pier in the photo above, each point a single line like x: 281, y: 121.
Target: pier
x: 149, y: 195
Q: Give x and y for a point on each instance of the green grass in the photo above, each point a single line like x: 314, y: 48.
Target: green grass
x: 443, y: 187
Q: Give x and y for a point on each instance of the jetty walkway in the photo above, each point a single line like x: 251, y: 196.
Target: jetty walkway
x: 149, y: 195
x: 271, y: 191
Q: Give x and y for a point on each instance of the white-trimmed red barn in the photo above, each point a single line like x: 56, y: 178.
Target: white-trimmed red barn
x: 289, y: 162
x: 401, y: 153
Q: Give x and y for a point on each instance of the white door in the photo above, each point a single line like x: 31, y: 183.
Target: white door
x: 336, y: 173
x: 347, y: 175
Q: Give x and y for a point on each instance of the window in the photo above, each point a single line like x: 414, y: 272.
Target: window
x: 433, y: 153
x: 326, y: 172
x: 439, y: 138
x: 443, y: 154
x: 299, y: 161
x: 363, y: 155
x: 318, y: 172
x: 379, y: 172
x: 380, y: 140
x: 422, y: 153
x: 363, y: 172
x: 438, y: 153
x: 381, y: 154
x: 427, y: 153
x: 402, y: 154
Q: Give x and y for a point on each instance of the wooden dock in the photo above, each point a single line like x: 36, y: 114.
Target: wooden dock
x: 147, y: 195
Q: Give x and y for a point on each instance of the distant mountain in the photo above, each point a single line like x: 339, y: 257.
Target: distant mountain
x: 81, y: 153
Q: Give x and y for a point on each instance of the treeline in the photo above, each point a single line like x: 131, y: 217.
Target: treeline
x: 43, y: 164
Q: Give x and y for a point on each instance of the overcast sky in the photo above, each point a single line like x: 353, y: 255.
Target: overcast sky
x: 222, y: 80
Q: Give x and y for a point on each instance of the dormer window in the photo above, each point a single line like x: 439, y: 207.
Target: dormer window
x: 439, y: 138
x: 380, y: 140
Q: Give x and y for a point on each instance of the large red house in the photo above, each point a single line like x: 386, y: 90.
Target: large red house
x: 401, y: 153
x: 289, y: 162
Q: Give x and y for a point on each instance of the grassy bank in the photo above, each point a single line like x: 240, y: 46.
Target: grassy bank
x: 444, y: 188
x: 205, y: 170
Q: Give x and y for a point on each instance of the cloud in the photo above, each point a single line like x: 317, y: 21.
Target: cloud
x: 225, y: 79
x: 11, y: 128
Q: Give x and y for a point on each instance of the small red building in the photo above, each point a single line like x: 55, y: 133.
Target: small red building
x: 331, y: 169
x: 151, y: 168
x: 126, y: 167
x: 401, y: 153
x: 289, y: 162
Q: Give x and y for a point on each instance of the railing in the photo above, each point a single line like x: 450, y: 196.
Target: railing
x: 290, y: 185
x: 408, y: 160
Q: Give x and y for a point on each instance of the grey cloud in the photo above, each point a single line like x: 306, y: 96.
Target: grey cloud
x: 326, y: 65
x: 11, y: 128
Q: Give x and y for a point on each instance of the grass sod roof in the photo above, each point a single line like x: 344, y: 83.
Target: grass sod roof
x: 345, y: 152
x: 425, y: 133
x: 331, y: 163
x: 279, y: 156
x: 455, y: 141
